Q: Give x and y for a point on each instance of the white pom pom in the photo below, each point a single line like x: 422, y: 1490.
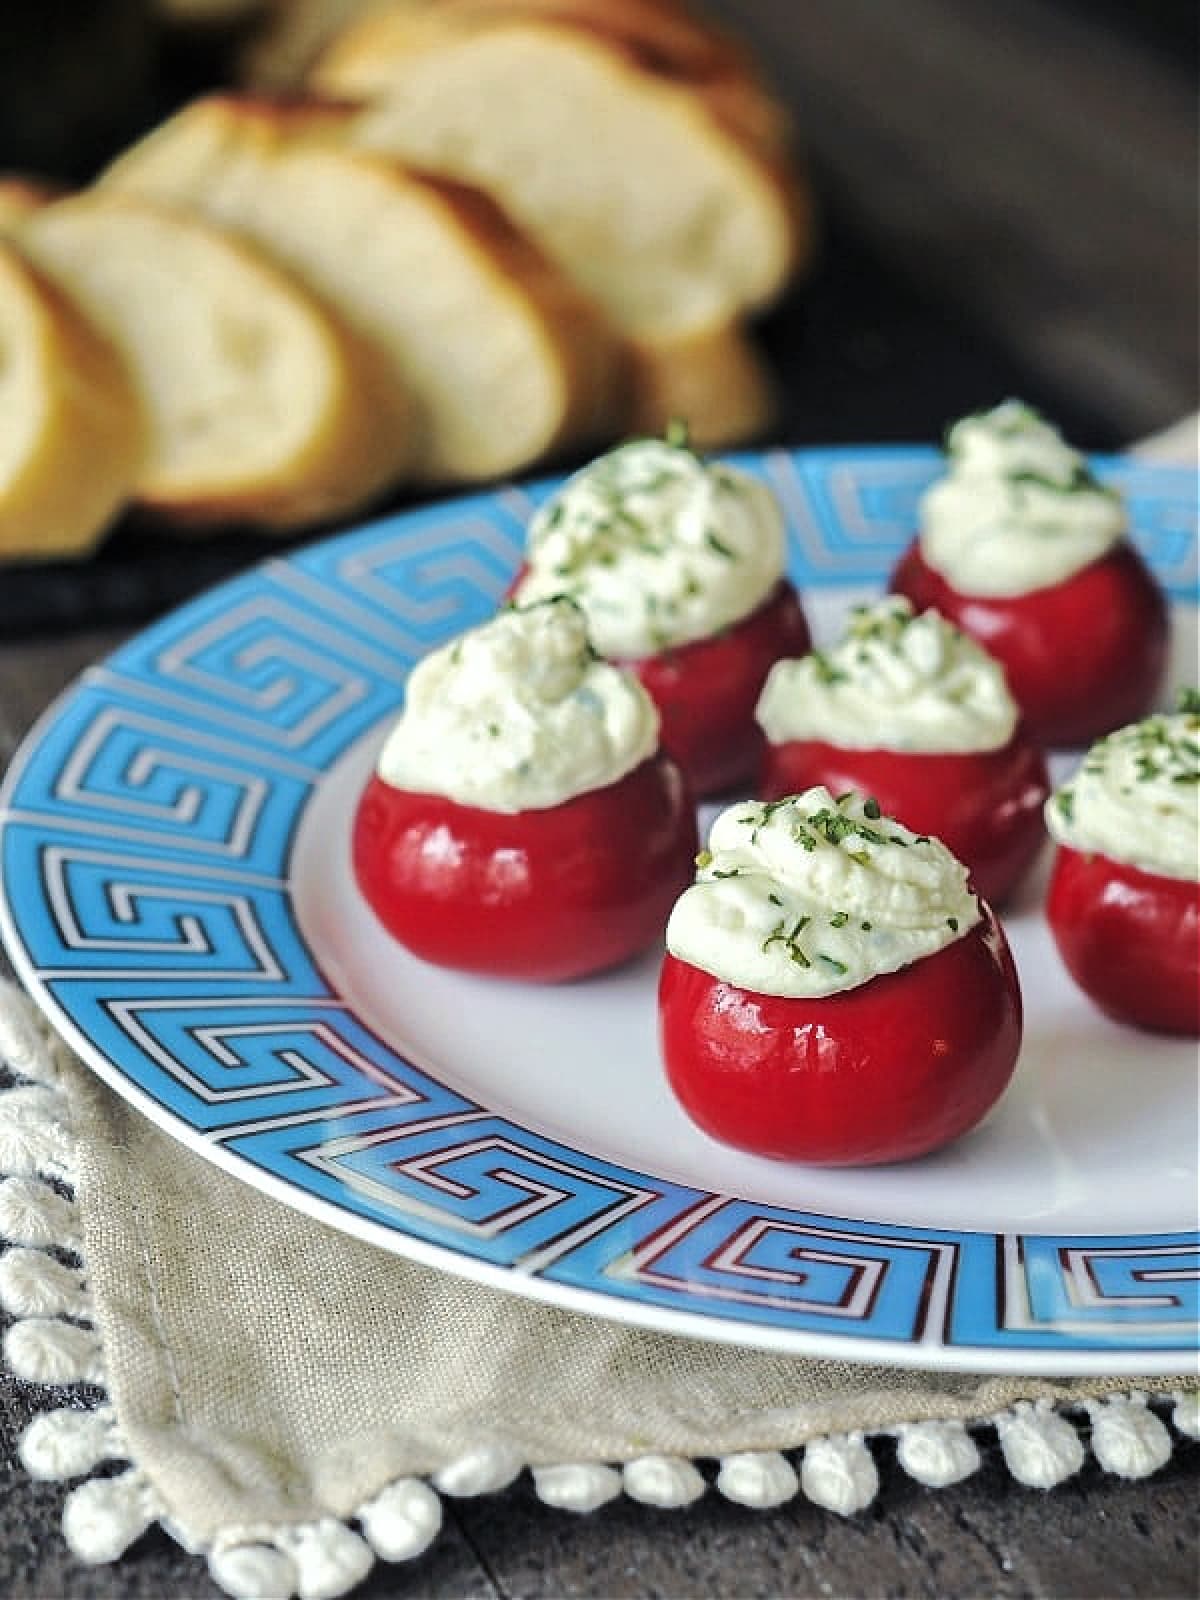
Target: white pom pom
x: 1127, y: 1438
x: 401, y: 1521
x: 32, y: 1214
x: 484, y: 1470
x: 329, y: 1558
x: 577, y: 1486
x: 26, y: 1046
x: 937, y: 1453
x: 104, y: 1516
x: 839, y: 1473
x: 1186, y: 1415
x: 1041, y: 1448
x: 667, y: 1481
x: 42, y: 1351
x: 33, y: 1132
x: 758, y: 1478
x: 253, y: 1572
x: 68, y: 1444
x: 33, y: 1284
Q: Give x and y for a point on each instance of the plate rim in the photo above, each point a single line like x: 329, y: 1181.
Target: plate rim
x: 930, y: 1354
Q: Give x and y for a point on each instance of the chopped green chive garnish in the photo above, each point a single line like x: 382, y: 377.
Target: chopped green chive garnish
x: 825, y: 670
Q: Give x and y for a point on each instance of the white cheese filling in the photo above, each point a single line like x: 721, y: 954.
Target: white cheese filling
x: 809, y: 896
x: 519, y: 715
x: 1018, y: 508
x: 895, y: 681
x: 1136, y: 798
x: 657, y: 546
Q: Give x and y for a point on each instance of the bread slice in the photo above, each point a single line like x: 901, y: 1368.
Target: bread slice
x: 71, y: 427
x: 667, y: 38
x: 624, y: 168
x: 260, y: 410
x: 715, y: 380
x: 505, y: 360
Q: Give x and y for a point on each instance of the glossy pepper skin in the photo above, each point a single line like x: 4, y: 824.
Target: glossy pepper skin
x: 546, y: 895
x: 885, y: 1072
x: 706, y: 691
x: 984, y: 805
x: 1082, y: 657
x: 1130, y: 939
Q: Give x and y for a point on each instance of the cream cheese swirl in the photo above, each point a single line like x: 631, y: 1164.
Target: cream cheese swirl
x: 894, y: 681
x: 657, y: 546
x: 1018, y: 508
x: 1136, y: 798
x: 519, y: 715
x: 810, y: 895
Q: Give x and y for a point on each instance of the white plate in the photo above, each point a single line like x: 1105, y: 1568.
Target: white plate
x: 178, y: 897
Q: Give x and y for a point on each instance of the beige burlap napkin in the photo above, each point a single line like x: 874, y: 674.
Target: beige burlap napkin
x: 271, y: 1381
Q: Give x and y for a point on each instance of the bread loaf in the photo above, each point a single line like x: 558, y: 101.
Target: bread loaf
x: 505, y: 360
x: 259, y: 409
x: 71, y: 427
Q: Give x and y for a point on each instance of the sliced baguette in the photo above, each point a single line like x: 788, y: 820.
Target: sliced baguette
x: 507, y: 362
x: 260, y: 409
x: 631, y: 176
x: 71, y: 426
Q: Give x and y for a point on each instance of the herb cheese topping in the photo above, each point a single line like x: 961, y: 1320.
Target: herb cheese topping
x: 1018, y: 508
x: 811, y: 895
x: 519, y: 715
x: 895, y: 681
x: 1136, y: 798
x: 657, y: 546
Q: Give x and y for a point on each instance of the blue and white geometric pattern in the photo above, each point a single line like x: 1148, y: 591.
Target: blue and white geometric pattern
x: 145, y: 844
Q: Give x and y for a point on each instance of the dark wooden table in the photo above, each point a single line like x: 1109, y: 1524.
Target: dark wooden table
x: 1010, y: 209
